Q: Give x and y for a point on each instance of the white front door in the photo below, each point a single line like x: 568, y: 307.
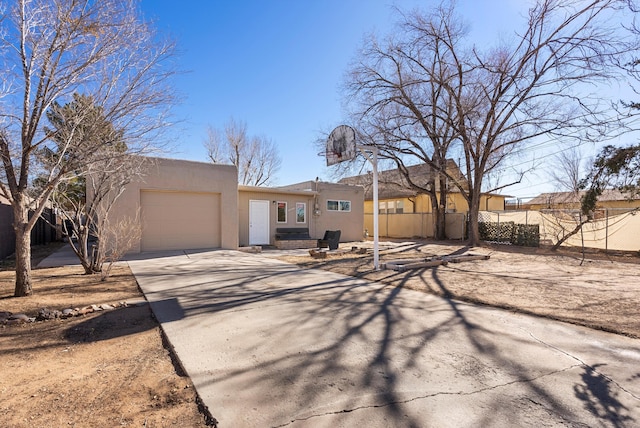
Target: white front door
x: 258, y: 222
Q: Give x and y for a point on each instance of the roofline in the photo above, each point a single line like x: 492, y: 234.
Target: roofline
x: 449, y: 192
x: 243, y: 188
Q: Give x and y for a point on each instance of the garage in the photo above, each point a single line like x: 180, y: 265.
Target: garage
x: 174, y: 220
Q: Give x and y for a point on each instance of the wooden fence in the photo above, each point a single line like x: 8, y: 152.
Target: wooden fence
x: 415, y: 225
x: 42, y: 232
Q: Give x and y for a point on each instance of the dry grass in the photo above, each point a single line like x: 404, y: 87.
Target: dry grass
x: 601, y: 293
x: 108, y: 368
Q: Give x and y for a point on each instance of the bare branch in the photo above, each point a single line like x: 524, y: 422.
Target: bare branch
x: 256, y: 158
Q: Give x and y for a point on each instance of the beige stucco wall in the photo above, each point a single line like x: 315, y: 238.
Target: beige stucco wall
x: 350, y: 223
x: 410, y: 225
x: 172, y: 175
x: 417, y: 219
x: 318, y: 218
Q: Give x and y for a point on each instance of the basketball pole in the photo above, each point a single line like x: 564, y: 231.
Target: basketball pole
x: 374, y: 163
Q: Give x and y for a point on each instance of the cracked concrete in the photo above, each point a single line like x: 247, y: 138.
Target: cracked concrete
x: 269, y: 345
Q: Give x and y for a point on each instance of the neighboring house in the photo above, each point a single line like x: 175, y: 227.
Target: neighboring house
x: 610, y: 198
x: 396, y: 197
x: 191, y: 205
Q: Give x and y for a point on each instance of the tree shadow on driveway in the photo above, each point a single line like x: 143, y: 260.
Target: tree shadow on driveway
x: 268, y: 344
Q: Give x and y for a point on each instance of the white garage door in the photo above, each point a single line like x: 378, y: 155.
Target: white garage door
x: 179, y: 220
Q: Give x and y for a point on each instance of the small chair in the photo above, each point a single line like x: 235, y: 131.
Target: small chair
x: 330, y: 240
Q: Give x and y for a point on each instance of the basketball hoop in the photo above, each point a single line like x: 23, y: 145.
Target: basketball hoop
x: 341, y: 145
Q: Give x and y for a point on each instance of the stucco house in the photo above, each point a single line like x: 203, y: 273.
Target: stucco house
x: 190, y: 205
x: 406, y: 213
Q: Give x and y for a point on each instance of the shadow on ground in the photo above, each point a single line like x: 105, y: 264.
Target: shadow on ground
x: 324, y: 346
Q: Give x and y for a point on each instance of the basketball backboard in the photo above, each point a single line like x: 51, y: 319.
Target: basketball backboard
x: 341, y: 145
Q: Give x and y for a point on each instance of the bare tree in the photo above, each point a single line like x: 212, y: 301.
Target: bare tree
x: 50, y: 50
x: 116, y: 238
x: 75, y: 128
x: 256, y: 158
x: 428, y: 92
x: 86, y: 213
x: 566, y: 169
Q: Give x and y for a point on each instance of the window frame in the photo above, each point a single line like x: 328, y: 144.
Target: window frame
x: 278, y: 204
x: 339, y: 204
x: 302, y: 205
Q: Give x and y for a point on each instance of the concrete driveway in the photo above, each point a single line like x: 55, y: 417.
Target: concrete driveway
x: 269, y: 345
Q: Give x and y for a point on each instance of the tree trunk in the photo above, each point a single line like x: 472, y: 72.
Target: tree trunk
x: 577, y: 229
x: 473, y: 230
x: 23, y: 252
x: 441, y: 208
x: 80, y: 247
x: 441, y: 231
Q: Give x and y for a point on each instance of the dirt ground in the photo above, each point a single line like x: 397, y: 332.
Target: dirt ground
x: 106, y: 369
x: 602, y: 293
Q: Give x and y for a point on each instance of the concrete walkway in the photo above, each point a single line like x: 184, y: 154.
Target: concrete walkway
x: 64, y: 256
x: 269, y: 345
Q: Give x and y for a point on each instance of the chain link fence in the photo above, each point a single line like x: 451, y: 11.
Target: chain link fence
x: 615, y: 229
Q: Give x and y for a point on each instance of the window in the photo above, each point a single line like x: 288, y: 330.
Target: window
x: 391, y: 207
x: 301, y: 212
x: 282, y: 212
x: 339, y: 206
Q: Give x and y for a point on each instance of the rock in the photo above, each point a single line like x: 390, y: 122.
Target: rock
x: 68, y: 313
x: 86, y: 310
x: 137, y: 303
x: 96, y: 308
x: 19, y: 317
x: 48, y: 314
x: 4, y: 315
x: 106, y: 307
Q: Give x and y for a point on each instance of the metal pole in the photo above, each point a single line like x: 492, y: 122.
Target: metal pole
x: 606, y: 231
x: 374, y: 164
x: 376, y: 252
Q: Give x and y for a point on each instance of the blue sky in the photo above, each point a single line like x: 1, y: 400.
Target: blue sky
x: 278, y: 64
